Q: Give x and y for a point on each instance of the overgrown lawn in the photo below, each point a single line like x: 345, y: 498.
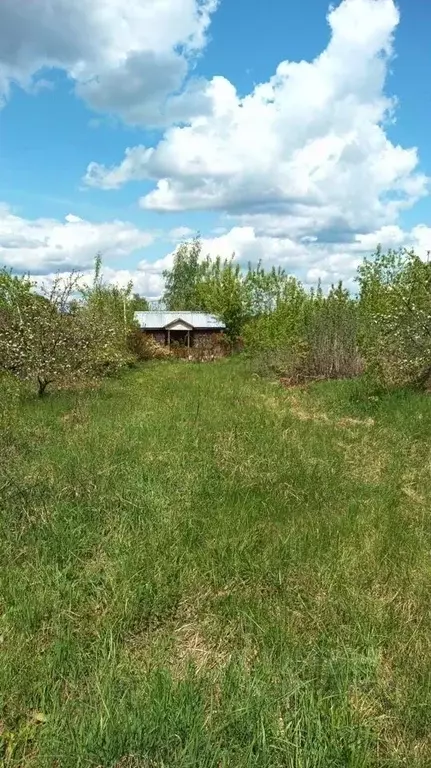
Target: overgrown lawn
x: 200, y: 568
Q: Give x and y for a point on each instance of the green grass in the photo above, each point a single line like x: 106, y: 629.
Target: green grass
x: 200, y: 568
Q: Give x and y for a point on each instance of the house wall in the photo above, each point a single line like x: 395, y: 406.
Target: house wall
x: 199, y: 339
x: 203, y: 337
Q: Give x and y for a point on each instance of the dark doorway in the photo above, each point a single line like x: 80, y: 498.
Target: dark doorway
x: 180, y: 338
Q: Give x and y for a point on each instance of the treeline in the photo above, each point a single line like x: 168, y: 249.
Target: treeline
x: 384, y: 329
x: 81, y: 332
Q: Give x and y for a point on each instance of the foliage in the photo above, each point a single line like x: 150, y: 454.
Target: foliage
x: 395, y: 305
x: 222, y: 288
x: 222, y: 291
x: 51, y: 338
x: 74, y: 331
x: 139, y: 303
x: 308, y: 335
x: 265, y: 288
x: 331, y: 335
x: 280, y: 324
x: 109, y: 303
x: 40, y: 340
x: 181, y: 282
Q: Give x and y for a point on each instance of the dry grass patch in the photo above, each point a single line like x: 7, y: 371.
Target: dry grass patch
x: 242, y: 460
x: 190, y: 639
x: 364, y: 458
x: 305, y: 408
x: 381, y: 710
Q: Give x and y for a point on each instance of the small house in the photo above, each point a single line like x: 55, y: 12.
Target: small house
x: 188, y: 329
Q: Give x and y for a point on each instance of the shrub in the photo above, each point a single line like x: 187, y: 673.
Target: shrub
x: 331, y: 336
x: 143, y: 346
x: 395, y: 308
x: 307, y: 336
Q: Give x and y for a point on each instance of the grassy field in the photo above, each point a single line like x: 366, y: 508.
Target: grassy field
x: 203, y: 569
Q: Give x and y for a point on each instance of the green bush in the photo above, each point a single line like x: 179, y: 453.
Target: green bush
x: 308, y: 336
x: 395, y: 309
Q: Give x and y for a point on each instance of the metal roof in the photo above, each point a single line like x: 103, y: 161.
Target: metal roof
x: 154, y: 320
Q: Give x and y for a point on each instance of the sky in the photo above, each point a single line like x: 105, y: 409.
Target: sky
x: 291, y: 133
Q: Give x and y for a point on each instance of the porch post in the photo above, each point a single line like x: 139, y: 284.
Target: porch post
x: 188, y: 339
x: 169, y: 338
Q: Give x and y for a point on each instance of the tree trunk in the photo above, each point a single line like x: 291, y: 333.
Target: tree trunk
x: 43, y: 383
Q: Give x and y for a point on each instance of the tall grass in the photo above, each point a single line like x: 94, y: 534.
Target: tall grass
x: 203, y: 569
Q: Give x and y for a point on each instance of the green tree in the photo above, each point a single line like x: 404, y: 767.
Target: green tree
x: 222, y: 291
x: 181, y: 282
x: 139, y: 303
x: 395, y: 311
x: 265, y: 288
x: 48, y: 337
x: 109, y: 303
x: 279, y: 320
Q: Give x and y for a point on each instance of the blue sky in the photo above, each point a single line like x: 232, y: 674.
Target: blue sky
x: 308, y: 164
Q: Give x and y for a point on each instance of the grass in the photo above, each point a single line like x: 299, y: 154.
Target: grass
x: 203, y: 569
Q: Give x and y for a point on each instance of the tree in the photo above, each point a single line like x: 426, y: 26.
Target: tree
x: 111, y: 305
x: 265, y: 288
x: 51, y: 338
x: 181, y: 282
x: 40, y: 340
x: 139, y: 303
x: 222, y: 291
x: 395, y: 312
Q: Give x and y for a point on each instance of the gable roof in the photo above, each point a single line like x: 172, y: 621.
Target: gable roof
x: 179, y: 325
x: 154, y: 320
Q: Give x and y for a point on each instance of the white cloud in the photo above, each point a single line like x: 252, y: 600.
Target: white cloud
x: 308, y: 260
x: 125, y: 58
x: 45, y: 245
x: 146, y: 282
x: 302, y: 167
x: 305, y: 153
x: 181, y: 233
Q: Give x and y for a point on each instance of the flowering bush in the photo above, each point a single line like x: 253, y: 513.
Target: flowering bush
x: 47, y: 340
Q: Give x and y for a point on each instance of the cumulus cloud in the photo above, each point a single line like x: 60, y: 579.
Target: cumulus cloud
x: 40, y: 246
x: 44, y: 245
x: 306, y: 152
x: 146, y: 282
x: 125, y: 58
x: 310, y: 259
x: 302, y: 168
x: 181, y: 233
